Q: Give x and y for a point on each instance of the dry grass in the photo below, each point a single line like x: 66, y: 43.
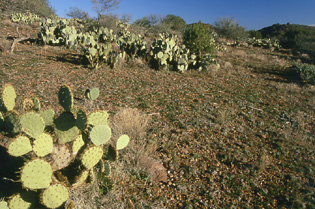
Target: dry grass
x: 131, y: 122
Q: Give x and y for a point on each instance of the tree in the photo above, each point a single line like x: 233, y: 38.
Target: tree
x: 230, y: 29
x: 75, y: 12
x: 102, y: 6
x: 175, y: 22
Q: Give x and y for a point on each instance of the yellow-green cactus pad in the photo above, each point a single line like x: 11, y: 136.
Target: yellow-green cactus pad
x: 4, y: 205
x: 36, y: 174
x: 61, y: 157
x: 100, y: 134
x: 65, y: 128
x: 43, y: 145
x: 48, y: 115
x: 65, y: 97
x: 17, y: 202
x: 91, y: 156
x: 77, y: 144
x: 81, y: 121
x: 98, y: 118
x: 19, y: 146
x: 8, y: 97
x: 81, y: 178
x: 54, y: 196
x: 32, y: 124
x: 92, y: 94
x: 122, y: 142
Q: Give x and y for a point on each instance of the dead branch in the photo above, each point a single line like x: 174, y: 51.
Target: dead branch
x: 19, y: 39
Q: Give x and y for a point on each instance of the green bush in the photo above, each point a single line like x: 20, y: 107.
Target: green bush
x: 306, y: 72
x: 199, y: 38
x: 174, y: 22
x: 230, y: 29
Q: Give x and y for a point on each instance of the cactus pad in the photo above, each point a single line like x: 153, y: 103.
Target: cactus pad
x: 54, y: 196
x: 100, y: 134
x: 65, y: 127
x: 19, y: 146
x: 92, y: 94
x: 91, y: 156
x: 43, y: 145
x: 112, y: 153
x: 65, y: 97
x: 81, y: 178
x: 48, y: 116
x: 61, y: 157
x: 36, y: 103
x: 36, y: 174
x: 122, y: 142
x: 3, y: 204
x: 77, y: 144
x: 32, y: 124
x: 8, y: 97
x: 17, y: 202
x: 98, y: 118
x: 106, y: 168
x: 81, y: 121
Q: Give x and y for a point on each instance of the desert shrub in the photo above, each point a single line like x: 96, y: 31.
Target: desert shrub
x: 306, y: 72
x: 174, y: 22
x: 199, y: 38
x: 75, y: 12
x: 255, y: 34
x: 230, y: 29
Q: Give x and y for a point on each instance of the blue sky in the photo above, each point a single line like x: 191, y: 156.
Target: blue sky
x: 252, y: 14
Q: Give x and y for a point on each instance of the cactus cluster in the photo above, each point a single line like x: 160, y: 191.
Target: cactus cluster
x: 59, y: 151
x: 27, y: 17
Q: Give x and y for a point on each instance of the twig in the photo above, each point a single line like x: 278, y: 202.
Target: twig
x: 18, y: 40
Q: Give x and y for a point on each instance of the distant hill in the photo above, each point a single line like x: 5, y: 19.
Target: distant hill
x: 300, y: 38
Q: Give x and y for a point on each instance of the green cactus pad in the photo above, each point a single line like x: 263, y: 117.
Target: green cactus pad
x: 8, y: 97
x: 98, y: 118
x: 65, y: 128
x: 77, y: 144
x: 43, y: 145
x: 92, y: 94
x: 4, y: 205
x: 48, y: 115
x: 36, y: 103
x: 17, y: 202
x: 19, y: 146
x: 54, y: 196
x: 100, y: 134
x: 81, y: 178
x: 65, y: 97
x: 81, y: 121
x: 91, y: 156
x: 61, y: 157
x: 12, y: 122
x: 32, y: 124
x: 36, y: 174
x: 122, y: 142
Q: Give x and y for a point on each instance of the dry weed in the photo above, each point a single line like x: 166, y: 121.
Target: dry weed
x: 131, y: 122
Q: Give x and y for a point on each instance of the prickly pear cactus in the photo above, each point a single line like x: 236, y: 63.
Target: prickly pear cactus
x: 92, y: 94
x: 8, y: 97
x: 122, y: 142
x: 19, y: 146
x: 91, y: 156
x: 54, y: 196
x: 32, y: 124
x: 72, y: 146
x: 36, y: 174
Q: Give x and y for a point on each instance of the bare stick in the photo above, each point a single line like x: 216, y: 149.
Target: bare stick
x: 18, y: 40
